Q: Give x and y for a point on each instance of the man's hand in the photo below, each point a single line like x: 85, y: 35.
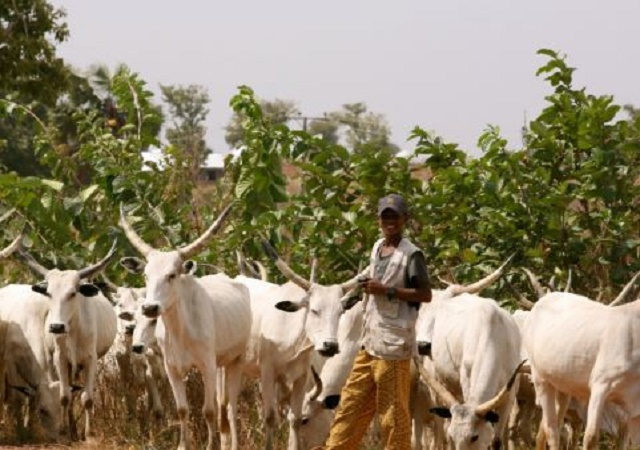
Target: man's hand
x: 374, y: 287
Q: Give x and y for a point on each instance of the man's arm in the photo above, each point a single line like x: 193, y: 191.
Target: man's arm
x: 419, y: 286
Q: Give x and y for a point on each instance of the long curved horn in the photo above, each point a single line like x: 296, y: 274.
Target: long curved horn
x: 196, y: 246
x: 353, y: 282
x: 284, y: 267
x: 502, y: 396
x: 314, y: 266
x: 131, y: 234
x: 11, y: 247
x: 441, y: 391
x: 88, y: 272
x: 240, y: 263
x: 552, y: 283
x: 626, y: 292
x: 318, y: 388
x: 110, y: 284
x: 537, y: 287
x: 524, y: 302
x: 567, y: 287
x: 264, y: 275
x: 482, y: 284
x: 32, y: 263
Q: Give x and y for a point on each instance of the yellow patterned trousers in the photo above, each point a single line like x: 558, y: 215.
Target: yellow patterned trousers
x: 374, y: 385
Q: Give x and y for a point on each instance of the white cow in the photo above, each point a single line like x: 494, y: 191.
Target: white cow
x: 584, y: 349
x: 79, y: 328
x: 290, y: 322
x: 207, y: 324
x: 475, y: 347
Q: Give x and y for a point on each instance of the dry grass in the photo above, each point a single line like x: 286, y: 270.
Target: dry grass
x: 116, y: 429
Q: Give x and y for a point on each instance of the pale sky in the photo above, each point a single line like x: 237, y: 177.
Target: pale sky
x: 449, y: 66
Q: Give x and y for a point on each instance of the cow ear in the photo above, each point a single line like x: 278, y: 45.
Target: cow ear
x: 350, y: 302
x: 25, y: 390
x: 331, y: 401
x: 492, y: 417
x: 132, y: 264
x: 189, y: 267
x: 41, y: 288
x: 89, y: 290
x: 441, y: 411
x: 289, y: 306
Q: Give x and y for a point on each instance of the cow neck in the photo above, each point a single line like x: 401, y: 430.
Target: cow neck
x: 178, y: 312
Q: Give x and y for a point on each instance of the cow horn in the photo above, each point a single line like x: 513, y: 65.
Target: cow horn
x: 503, y: 395
x: 284, y: 267
x: 11, y: 247
x: 524, y: 302
x: 622, y: 298
x: 196, y: 246
x: 240, y: 263
x: 264, y: 275
x: 133, y: 237
x: 318, y: 384
x: 314, y: 266
x: 353, y: 282
x: 537, y: 287
x: 482, y: 284
x: 552, y: 283
x: 567, y: 287
x: 110, y: 284
x: 441, y: 391
x: 32, y: 263
x: 88, y: 272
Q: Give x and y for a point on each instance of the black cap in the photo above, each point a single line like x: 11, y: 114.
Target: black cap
x: 394, y: 202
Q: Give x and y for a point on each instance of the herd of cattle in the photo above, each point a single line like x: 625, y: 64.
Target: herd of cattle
x: 483, y: 377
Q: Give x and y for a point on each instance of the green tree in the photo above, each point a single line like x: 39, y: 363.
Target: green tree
x: 275, y: 112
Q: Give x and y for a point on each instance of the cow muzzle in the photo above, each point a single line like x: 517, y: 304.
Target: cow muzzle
x: 424, y: 348
x: 137, y: 348
x: 57, y: 328
x: 329, y: 349
x: 151, y: 310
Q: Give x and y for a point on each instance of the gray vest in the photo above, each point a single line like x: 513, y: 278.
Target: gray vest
x: 389, y: 327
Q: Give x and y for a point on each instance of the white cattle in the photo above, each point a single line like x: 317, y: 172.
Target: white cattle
x: 290, y: 322
x: 24, y: 375
x: 584, y: 349
x: 475, y: 347
x: 79, y: 328
x: 207, y: 324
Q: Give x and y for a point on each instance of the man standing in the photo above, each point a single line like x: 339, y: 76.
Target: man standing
x: 380, y: 380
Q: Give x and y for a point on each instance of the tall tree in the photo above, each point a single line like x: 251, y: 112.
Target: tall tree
x: 188, y: 108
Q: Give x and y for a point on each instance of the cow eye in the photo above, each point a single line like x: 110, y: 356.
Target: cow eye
x: 171, y: 277
x: 315, y: 312
x: 304, y: 421
x: 71, y: 295
x: 475, y: 438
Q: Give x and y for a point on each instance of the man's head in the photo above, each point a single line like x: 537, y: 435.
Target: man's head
x: 392, y: 214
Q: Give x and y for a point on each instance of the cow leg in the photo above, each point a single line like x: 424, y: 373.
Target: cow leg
x: 546, y: 395
x: 623, y: 435
x: 269, y: 414
x: 233, y: 381
x: 61, y: 363
x: 152, y: 391
x: 223, y: 402
x: 562, y: 403
x: 594, y: 415
x: 209, y: 379
x: 178, y: 387
x: 87, y: 394
x: 295, y: 411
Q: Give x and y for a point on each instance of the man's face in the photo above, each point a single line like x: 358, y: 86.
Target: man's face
x: 391, y: 223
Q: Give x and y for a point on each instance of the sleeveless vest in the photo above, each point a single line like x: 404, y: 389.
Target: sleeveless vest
x: 389, y: 324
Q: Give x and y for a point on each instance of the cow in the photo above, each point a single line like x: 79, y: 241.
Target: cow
x: 583, y: 349
x: 474, y: 346
x: 292, y: 321
x: 80, y: 327
x: 207, y: 324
